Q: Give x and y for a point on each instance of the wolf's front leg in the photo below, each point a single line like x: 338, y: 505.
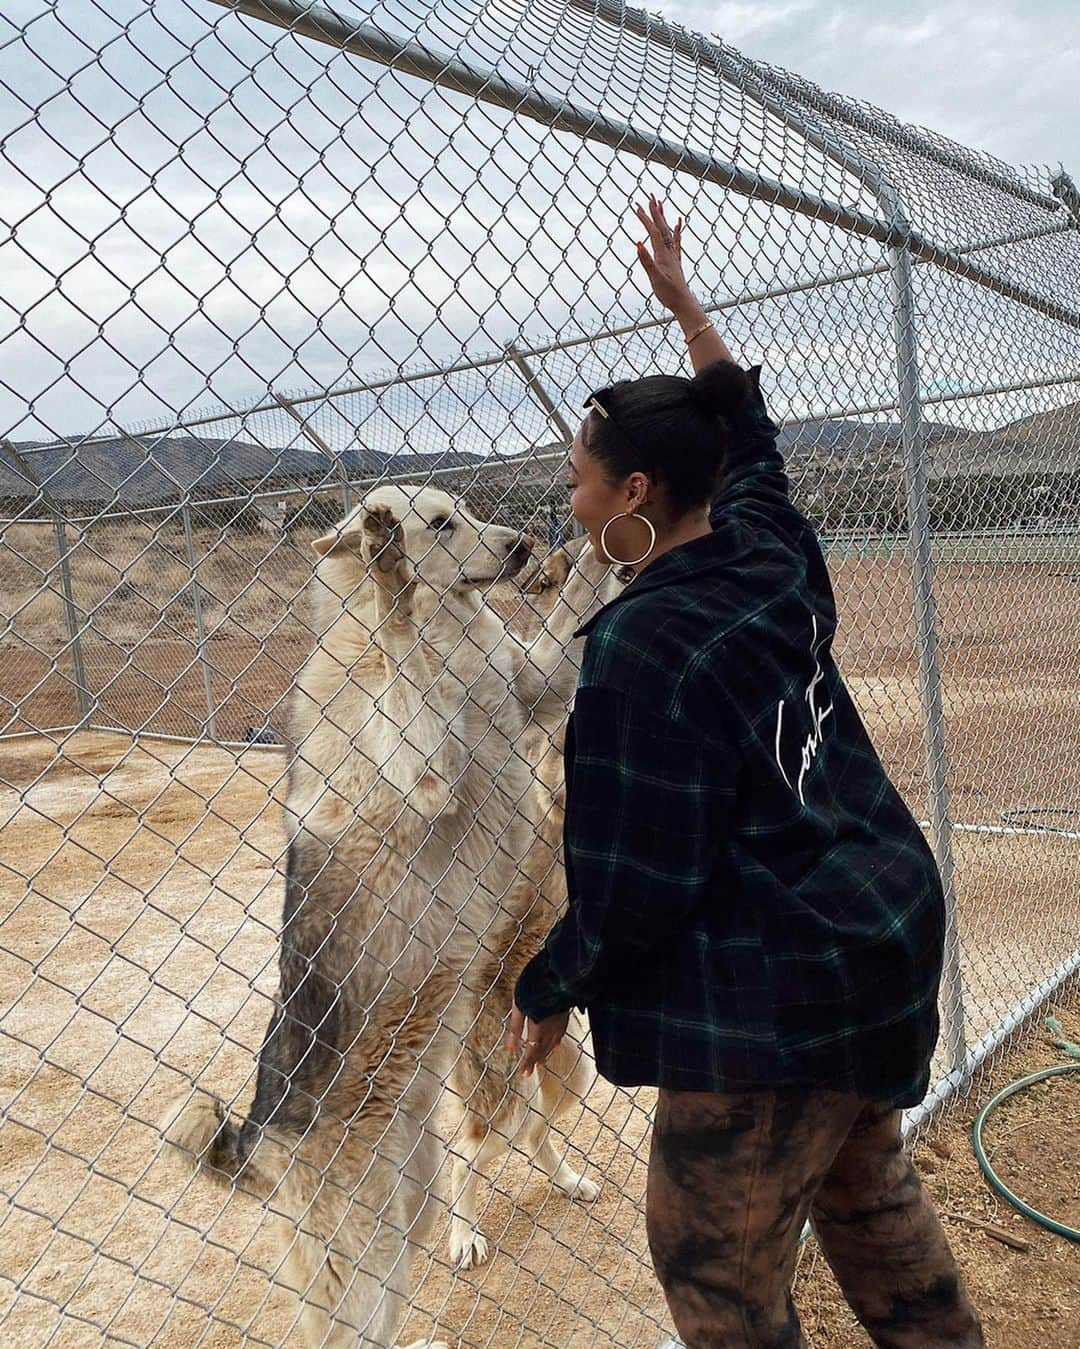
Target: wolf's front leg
x: 429, y: 758
x: 352, y: 1250
x: 547, y: 669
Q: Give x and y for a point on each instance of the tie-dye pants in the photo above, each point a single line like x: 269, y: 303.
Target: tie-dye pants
x: 733, y: 1179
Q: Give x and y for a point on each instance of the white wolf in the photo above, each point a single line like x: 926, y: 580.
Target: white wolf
x: 421, y: 875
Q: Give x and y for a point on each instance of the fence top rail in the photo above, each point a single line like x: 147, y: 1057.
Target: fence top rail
x: 808, y: 96
x: 322, y: 24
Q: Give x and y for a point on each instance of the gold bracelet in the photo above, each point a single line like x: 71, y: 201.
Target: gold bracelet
x: 698, y: 331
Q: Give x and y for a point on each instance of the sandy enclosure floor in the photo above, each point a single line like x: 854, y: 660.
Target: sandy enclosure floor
x: 142, y: 957
x: 141, y: 892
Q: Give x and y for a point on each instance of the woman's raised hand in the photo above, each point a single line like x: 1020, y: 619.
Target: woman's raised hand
x: 663, y: 266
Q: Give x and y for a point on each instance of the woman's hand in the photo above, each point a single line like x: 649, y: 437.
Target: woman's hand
x: 664, y: 266
x: 664, y: 269
x: 539, y: 1038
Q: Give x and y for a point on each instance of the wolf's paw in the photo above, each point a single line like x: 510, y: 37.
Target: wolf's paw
x: 581, y: 1188
x: 383, y: 538
x: 383, y: 550
x: 468, y: 1247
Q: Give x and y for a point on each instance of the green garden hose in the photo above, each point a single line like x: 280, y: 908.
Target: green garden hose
x: 1051, y: 1224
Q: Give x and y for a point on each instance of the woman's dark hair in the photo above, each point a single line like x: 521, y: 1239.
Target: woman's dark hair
x: 672, y: 428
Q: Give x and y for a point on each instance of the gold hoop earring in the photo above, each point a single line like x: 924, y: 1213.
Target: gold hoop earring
x: 633, y: 562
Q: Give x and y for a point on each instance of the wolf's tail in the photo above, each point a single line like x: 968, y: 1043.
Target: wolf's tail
x: 202, y: 1132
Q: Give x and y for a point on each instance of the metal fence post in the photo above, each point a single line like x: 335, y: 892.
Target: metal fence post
x: 532, y: 381
x: 321, y: 445
x: 71, y: 615
x: 926, y: 637
x: 72, y: 619
x: 200, y: 629
x: 554, y: 416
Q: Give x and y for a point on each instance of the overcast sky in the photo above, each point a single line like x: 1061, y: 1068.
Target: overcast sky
x: 212, y: 209
x: 998, y: 75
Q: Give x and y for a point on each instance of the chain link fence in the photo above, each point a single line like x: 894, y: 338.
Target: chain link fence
x: 421, y: 213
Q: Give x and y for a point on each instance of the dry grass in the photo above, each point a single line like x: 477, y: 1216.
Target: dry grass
x: 132, y: 581
x: 134, y: 602
x: 1009, y: 637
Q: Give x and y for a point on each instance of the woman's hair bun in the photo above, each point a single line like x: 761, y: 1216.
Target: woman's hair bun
x: 719, y: 389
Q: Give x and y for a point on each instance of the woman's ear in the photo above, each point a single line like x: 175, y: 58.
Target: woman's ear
x: 640, y: 489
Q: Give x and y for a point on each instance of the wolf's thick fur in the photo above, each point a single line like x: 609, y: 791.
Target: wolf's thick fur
x: 549, y: 574
x: 500, y: 1111
x: 350, y: 1193
x: 421, y: 874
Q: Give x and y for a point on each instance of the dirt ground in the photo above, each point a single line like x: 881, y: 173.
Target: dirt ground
x: 1028, y: 1297
x: 1009, y: 634
x: 141, y: 892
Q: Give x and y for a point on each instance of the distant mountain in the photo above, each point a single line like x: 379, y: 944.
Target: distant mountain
x: 873, y: 448
x: 119, y: 471
x: 1046, y: 443
x: 838, y: 437
x: 1059, y: 425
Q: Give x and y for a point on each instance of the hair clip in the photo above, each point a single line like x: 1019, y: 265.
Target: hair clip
x: 602, y: 412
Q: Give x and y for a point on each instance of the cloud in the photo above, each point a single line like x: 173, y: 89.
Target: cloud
x: 999, y: 77
x: 215, y: 208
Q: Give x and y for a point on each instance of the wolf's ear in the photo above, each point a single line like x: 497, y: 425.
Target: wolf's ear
x: 346, y: 536
x: 327, y: 544
x: 365, y: 534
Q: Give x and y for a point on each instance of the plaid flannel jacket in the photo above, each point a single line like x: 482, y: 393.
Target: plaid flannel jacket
x: 751, y: 904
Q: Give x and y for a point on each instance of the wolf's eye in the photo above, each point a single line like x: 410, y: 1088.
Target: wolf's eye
x: 441, y: 522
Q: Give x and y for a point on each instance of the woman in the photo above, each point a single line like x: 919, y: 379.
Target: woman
x: 755, y: 922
